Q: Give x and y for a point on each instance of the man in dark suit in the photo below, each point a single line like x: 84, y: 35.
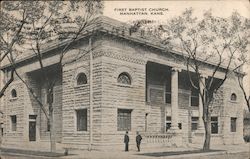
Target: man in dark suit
x: 126, y: 141
x: 138, y: 141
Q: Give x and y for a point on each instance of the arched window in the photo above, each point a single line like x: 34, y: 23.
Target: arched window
x: 124, y: 78
x: 81, y: 79
x: 233, y: 97
x: 13, y: 93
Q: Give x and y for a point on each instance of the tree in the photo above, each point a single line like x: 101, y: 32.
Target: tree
x: 244, y: 90
x: 220, y: 41
x: 11, y: 24
x: 43, y: 22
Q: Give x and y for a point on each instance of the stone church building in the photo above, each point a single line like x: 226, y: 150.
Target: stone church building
x: 126, y: 81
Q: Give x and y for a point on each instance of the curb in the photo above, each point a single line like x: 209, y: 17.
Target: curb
x: 133, y: 155
x: 222, y: 152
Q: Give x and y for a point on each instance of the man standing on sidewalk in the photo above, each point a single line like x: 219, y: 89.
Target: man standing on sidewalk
x: 126, y: 141
x: 138, y: 140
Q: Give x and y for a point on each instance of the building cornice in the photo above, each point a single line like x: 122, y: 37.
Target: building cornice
x: 106, y: 25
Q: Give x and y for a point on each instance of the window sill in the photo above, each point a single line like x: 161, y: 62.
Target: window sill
x: 232, y: 101
x: 124, y: 85
x: 82, y: 85
x: 215, y: 135
x: 154, y: 103
x: 123, y: 131
x: 13, y: 99
x: 194, y: 107
x: 81, y: 132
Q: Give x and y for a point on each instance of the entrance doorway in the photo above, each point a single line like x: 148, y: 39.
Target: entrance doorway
x: 32, y: 128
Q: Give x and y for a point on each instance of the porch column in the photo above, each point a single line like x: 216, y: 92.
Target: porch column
x: 201, y: 84
x: 174, y: 98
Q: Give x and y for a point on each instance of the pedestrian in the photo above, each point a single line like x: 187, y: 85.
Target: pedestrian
x: 126, y: 141
x: 138, y: 141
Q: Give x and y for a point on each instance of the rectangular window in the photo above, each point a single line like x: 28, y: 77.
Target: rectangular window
x: 168, y: 97
x: 179, y: 125
x: 194, y: 97
x: 233, y: 124
x: 48, y: 126
x: 124, y: 119
x: 214, y: 125
x: 194, y: 123
x: 156, y: 95
x: 50, y: 97
x: 1, y: 129
x: 13, y: 122
x: 168, y: 93
x: 81, y: 119
x: 168, y: 123
x: 195, y: 101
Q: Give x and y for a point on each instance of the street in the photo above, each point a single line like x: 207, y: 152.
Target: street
x: 112, y: 155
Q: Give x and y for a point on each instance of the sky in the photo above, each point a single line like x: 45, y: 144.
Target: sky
x: 219, y: 8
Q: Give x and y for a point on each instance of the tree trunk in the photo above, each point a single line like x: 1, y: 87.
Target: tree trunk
x: 207, y: 125
x: 206, y: 145
x: 51, y: 117
x: 52, y: 131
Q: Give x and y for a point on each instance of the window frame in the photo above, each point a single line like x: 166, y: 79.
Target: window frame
x: 233, y: 97
x: 233, y: 124
x: 215, y: 122
x: 194, y: 98
x: 11, y: 94
x: 129, y: 77
x: 77, y: 77
x: 167, y: 92
x: 13, y: 125
x: 194, y: 123
x: 122, y: 116
x: 47, y: 96
x: 47, y: 126
x: 155, y: 87
x: 168, y: 123
x: 84, y: 128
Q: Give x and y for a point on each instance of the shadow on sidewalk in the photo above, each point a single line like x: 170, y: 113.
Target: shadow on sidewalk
x: 172, y: 153
x: 30, y: 152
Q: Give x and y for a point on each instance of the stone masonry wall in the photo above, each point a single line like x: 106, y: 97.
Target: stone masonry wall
x: 14, y: 106
x: 78, y: 97
x: 232, y: 109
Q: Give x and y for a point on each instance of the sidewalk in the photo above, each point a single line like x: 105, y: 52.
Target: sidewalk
x: 147, y: 153
x: 30, y: 153
x: 168, y: 153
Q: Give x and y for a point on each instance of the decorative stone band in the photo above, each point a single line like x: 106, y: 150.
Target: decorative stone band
x: 117, y: 55
x: 99, y: 53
